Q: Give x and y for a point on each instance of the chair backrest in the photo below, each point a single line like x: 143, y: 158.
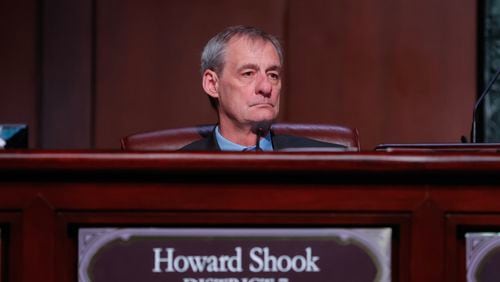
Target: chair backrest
x: 174, y: 139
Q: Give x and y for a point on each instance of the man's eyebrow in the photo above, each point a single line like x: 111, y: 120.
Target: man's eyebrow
x: 274, y: 68
x: 256, y: 67
x: 248, y: 66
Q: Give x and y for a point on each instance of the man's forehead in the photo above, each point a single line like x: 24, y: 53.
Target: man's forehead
x: 245, y: 45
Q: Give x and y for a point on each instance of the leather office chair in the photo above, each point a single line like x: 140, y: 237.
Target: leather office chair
x: 174, y: 139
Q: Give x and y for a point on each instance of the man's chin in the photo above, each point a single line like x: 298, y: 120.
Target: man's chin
x: 264, y: 117
x: 264, y: 112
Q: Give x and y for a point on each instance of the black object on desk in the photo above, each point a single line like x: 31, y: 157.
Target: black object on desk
x: 13, y: 136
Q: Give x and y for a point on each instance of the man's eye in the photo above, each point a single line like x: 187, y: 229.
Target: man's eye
x: 274, y: 76
x: 247, y: 73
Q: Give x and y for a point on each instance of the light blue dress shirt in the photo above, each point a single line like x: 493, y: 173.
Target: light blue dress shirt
x: 225, y: 145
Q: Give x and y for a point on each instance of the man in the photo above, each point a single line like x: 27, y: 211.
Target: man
x: 242, y: 75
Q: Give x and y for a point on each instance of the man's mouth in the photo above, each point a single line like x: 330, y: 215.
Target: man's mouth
x: 262, y: 105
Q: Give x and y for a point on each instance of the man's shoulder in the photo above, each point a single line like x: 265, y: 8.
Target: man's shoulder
x: 282, y: 141
x: 198, y: 145
x: 203, y: 144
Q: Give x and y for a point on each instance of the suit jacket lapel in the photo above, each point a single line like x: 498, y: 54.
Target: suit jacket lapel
x: 212, y: 141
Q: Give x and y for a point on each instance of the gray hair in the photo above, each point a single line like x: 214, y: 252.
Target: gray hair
x: 212, y: 57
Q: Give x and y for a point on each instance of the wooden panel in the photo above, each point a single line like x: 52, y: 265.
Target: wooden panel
x: 428, y: 222
x: 400, y: 71
x: 10, y: 244
x: 428, y: 198
x: 66, y: 103
x: 148, y: 60
x: 38, y: 227
x: 19, y: 58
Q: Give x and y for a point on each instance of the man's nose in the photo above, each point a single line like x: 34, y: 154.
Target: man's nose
x: 263, y: 85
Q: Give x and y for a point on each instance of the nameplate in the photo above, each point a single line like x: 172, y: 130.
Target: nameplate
x: 234, y: 255
x: 482, y: 256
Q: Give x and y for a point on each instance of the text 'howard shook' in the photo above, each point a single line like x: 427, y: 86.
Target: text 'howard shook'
x: 166, y: 260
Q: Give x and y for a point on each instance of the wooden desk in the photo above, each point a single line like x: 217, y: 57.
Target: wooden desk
x: 429, y: 199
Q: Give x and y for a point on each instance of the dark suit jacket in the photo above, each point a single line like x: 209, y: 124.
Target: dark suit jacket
x: 280, y: 142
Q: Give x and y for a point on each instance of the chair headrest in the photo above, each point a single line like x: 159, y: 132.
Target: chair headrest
x: 174, y: 139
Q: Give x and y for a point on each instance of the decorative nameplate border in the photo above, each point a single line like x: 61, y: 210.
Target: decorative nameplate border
x: 234, y: 254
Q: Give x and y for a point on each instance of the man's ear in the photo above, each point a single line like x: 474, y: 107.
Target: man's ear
x: 211, y: 83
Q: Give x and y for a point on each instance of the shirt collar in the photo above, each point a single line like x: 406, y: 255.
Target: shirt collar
x: 225, y: 145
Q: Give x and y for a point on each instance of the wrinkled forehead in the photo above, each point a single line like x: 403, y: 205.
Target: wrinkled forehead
x: 239, y: 46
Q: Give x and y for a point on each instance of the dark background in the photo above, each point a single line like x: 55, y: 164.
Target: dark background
x: 82, y: 74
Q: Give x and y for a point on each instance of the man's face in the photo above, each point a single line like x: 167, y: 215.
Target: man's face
x: 248, y: 89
